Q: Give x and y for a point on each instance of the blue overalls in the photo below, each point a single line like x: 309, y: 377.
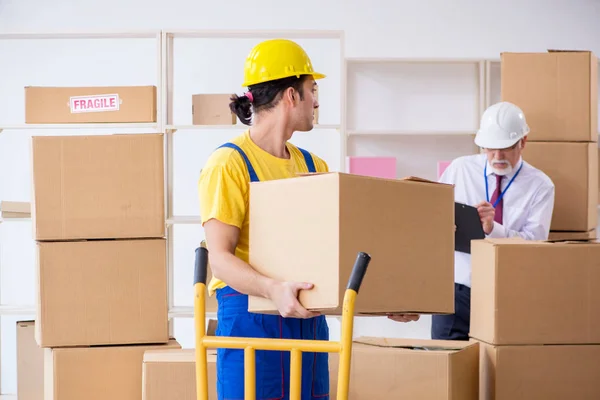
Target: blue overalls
x: 272, y: 367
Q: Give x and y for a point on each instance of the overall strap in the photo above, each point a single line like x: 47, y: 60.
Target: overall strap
x: 251, y: 172
x: 309, y: 160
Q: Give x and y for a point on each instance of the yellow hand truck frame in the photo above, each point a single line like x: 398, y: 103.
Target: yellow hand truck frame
x: 296, y: 347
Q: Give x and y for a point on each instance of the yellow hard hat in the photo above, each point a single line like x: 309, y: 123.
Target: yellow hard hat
x: 276, y: 59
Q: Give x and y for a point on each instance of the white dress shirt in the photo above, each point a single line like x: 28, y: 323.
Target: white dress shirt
x: 527, y: 204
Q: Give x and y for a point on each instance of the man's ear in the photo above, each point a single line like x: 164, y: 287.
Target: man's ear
x: 523, y: 141
x: 290, y: 95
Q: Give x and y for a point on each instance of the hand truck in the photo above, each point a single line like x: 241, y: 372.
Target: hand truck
x: 296, y: 347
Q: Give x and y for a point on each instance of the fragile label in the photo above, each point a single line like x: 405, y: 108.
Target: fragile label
x: 98, y: 103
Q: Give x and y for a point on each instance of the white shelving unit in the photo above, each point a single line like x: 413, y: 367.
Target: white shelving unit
x: 418, y: 110
x: 15, y: 134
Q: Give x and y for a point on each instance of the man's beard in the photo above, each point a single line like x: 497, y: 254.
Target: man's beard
x: 501, y: 171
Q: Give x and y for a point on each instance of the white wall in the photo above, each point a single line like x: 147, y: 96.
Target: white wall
x: 380, y: 28
x: 377, y: 28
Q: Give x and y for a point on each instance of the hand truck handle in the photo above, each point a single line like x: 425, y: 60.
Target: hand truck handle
x: 201, y: 265
x: 358, y: 271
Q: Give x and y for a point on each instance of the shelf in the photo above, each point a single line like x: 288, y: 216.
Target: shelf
x: 408, y: 133
x: 175, y: 312
x: 187, y: 312
x: 245, y: 34
x: 80, y: 126
x: 375, y: 60
x: 17, y: 310
x: 17, y: 219
x: 82, y: 35
x: 188, y: 219
x: 174, y: 128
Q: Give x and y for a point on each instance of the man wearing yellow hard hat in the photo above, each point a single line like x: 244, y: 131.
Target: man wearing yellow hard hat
x: 280, y: 100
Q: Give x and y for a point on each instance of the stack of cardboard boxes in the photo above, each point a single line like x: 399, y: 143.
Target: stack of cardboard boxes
x: 98, y: 216
x: 99, y: 226
x: 558, y: 92
x: 534, y: 303
x: 534, y: 308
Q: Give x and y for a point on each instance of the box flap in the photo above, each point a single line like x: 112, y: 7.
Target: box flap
x: 568, y: 51
x: 506, y: 241
x: 414, y: 344
x: 521, y: 241
x: 313, y: 173
x: 423, y: 180
x: 573, y: 241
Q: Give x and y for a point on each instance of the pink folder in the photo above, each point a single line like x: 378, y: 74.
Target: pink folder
x: 379, y: 167
x: 441, y: 167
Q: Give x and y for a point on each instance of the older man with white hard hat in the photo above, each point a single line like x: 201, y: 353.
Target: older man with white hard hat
x: 513, y: 198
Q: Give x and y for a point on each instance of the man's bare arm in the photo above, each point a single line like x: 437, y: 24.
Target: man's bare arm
x: 221, y: 241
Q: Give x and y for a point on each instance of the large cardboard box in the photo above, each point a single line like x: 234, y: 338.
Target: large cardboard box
x: 557, y: 91
x: 212, y: 109
x: 554, y: 372
x: 102, y: 292
x: 171, y: 374
x: 30, y: 363
x: 573, y: 167
x: 64, y: 105
x: 96, y: 373
x: 410, y: 369
x: 311, y: 228
x: 98, y: 187
x: 527, y: 292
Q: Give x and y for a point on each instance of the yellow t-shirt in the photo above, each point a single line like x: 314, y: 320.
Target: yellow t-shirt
x: 224, y: 185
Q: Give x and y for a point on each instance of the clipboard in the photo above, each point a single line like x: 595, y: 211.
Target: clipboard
x: 468, y: 227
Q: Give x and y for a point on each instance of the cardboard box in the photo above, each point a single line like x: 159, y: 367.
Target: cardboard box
x: 212, y: 109
x: 171, y: 374
x: 573, y: 167
x: 30, y: 363
x: 560, y: 236
x: 329, y: 218
x: 15, y: 209
x: 410, y: 369
x: 102, y: 292
x: 66, y: 105
x: 96, y: 373
x: 527, y: 292
x: 539, y: 372
x: 98, y: 187
x: 557, y: 91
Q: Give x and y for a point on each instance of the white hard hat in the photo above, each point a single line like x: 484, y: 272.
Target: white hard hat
x: 502, y: 125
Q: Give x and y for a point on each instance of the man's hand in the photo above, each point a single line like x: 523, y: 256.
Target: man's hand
x: 285, y: 297
x: 404, y: 317
x: 486, y: 214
